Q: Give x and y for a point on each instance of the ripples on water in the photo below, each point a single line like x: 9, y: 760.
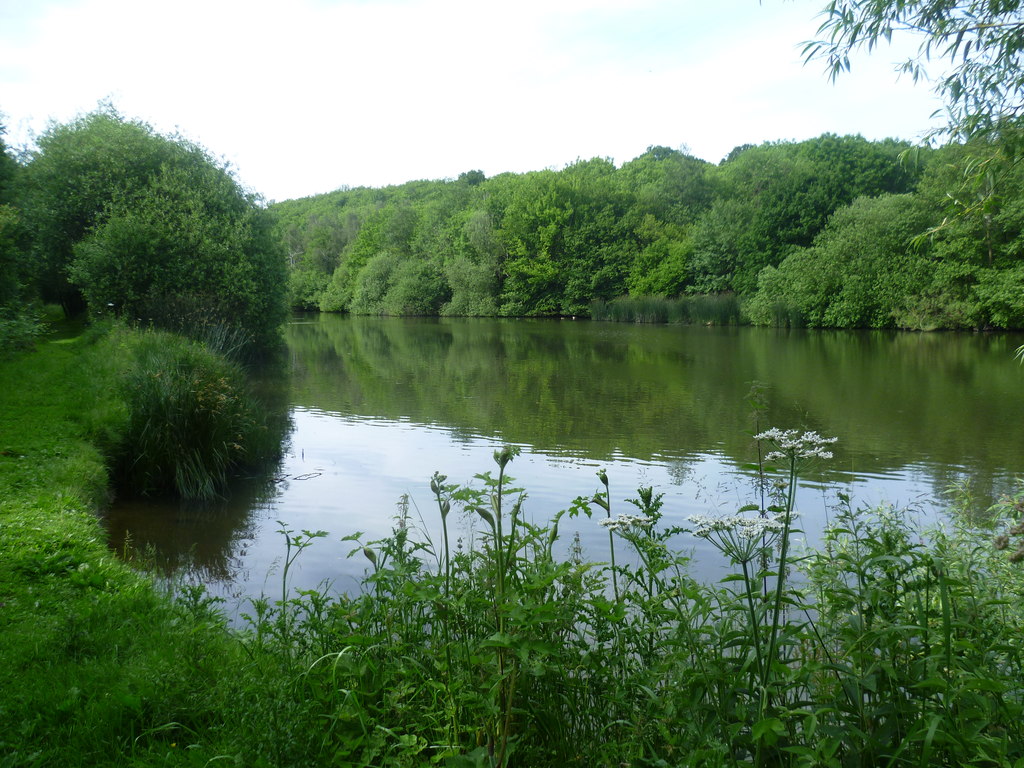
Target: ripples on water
x: 344, y: 475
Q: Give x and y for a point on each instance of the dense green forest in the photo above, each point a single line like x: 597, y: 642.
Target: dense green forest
x: 836, y: 231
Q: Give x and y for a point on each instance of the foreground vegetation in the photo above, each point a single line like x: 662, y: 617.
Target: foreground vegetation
x: 886, y: 646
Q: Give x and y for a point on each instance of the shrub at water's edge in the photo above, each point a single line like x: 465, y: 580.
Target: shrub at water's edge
x: 180, y: 419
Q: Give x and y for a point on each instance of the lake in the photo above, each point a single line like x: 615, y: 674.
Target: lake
x: 378, y: 405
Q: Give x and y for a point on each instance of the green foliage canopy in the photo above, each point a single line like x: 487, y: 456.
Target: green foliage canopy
x: 775, y: 196
x: 665, y: 225
x: 152, y: 228
x: 857, y: 274
x: 11, y: 258
x: 18, y: 320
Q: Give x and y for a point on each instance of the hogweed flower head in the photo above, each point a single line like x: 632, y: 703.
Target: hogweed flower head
x: 743, y: 525
x: 625, y: 522
x: 740, y: 537
x: 791, y: 444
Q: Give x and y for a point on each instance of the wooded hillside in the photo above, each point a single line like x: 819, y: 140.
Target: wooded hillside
x: 837, y: 231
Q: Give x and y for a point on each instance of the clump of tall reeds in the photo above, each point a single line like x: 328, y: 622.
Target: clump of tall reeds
x: 181, y: 418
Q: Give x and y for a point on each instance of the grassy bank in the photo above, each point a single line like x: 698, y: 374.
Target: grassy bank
x: 96, y: 665
x: 888, y: 646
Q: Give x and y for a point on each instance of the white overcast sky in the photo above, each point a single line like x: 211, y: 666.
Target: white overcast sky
x: 305, y: 96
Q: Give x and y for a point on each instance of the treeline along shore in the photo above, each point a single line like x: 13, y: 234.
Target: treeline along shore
x: 836, y: 231
x: 108, y: 216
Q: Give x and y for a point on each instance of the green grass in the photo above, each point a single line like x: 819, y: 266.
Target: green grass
x: 93, y: 657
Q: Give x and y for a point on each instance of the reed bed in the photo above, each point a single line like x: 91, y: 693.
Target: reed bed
x: 709, y: 309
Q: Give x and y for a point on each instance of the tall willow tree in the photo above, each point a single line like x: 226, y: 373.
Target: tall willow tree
x: 977, y: 44
x: 972, y: 51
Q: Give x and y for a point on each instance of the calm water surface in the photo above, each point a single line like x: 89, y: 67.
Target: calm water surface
x: 378, y: 405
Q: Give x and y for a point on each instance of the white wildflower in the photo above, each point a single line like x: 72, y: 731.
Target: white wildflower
x: 791, y: 444
x: 739, y: 537
x: 704, y: 525
x: 626, y: 521
x: 757, y: 527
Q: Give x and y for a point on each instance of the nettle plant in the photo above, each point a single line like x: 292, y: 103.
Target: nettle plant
x: 1011, y: 509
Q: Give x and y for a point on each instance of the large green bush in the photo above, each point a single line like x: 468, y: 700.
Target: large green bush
x: 472, y: 287
x: 998, y: 294
x: 19, y: 324
x: 151, y: 228
x: 861, y: 272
